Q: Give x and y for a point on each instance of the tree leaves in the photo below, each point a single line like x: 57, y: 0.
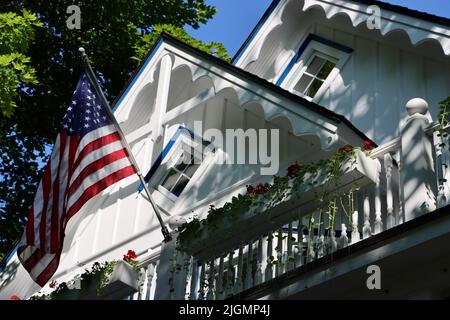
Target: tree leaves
x: 16, y: 32
x: 115, y: 34
x: 147, y: 41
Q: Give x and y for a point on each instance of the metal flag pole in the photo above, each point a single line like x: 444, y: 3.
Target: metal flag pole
x: 93, y: 78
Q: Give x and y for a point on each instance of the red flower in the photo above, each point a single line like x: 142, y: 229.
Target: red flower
x: 130, y: 256
x: 14, y: 297
x: 293, y: 169
x: 261, y: 188
x: 52, y: 284
x: 346, y: 149
x: 368, y: 145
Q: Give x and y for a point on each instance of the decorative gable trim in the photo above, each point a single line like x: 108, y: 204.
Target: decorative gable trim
x: 305, y: 117
x: 418, y: 30
x: 417, y: 25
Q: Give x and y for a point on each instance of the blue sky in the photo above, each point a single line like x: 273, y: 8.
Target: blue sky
x: 236, y: 18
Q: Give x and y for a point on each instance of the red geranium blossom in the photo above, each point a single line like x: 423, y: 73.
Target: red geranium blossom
x: 14, y: 297
x: 52, y: 284
x: 130, y: 256
x: 259, y: 189
x: 346, y: 149
x: 250, y: 189
x: 368, y: 145
x: 293, y: 169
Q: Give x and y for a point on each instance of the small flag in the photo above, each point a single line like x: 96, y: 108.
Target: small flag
x: 88, y: 156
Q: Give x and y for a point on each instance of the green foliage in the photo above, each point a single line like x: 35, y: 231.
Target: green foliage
x: 443, y: 119
x: 16, y: 33
x: 99, y: 274
x: 115, y: 35
x: 444, y: 112
x: 293, y: 184
x: 147, y: 41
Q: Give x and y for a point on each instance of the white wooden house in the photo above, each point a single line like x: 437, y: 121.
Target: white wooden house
x: 325, y: 74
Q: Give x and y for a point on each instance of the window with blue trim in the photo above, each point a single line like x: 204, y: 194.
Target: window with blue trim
x: 314, y: 67
x: 181, y: 171
x: 317, y: 71
x: 181, y: 161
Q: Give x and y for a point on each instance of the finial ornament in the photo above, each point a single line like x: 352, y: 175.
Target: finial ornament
x: 416, y: 105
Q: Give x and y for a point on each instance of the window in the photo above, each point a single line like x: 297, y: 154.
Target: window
x: 315, y: 66
x: 184, y: 158
x: 180, y: 173
x: 314, y: 76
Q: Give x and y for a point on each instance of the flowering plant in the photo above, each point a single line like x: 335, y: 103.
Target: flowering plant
x: 259, y: 189
x: 368, y: 145
x: 294, y: 169
x: 297, y: 177
x: 99, y: 273
x: 346, y: 149
x: 130, y: 256
x: 53, y: 284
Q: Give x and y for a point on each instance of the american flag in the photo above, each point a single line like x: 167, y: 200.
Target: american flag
x: 88, y: 156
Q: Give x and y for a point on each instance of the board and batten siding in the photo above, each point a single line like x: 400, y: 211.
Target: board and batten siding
x: 381, y: 75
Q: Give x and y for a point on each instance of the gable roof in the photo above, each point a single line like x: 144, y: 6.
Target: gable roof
x: 169, y: 39
x: 383, y: 5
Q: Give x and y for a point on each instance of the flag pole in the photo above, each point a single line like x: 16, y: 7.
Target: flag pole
x: 93, y: 78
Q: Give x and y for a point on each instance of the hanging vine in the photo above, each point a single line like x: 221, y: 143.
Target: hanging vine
x: 299, y: 177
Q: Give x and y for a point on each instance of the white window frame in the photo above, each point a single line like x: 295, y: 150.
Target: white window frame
x: 314, y: 49
x: 184, y: 140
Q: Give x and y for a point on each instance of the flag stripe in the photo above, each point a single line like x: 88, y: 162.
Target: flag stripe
x: 94, y: 145
x: 93, y: 156
x: 93, y: 178
x: 95, y: 166
x: 98, y: 187
x: 45, y: 194
x: 56, y: 186
x: 33, y: 259
x: 48, y: 272
x: 93, y: 135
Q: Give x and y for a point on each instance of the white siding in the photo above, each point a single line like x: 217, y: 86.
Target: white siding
x: 381, y: 75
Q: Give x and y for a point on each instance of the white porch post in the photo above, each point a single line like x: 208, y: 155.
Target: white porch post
x: 162, y: 93
x: 418, y: 175
x: 171, y: 282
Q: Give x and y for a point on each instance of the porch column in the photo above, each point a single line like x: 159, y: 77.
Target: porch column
x: 418, y: 175
x: 171, y: 281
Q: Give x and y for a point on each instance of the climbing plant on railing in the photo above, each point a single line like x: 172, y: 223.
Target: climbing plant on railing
x: 443, y: 120
x: 298, y: 178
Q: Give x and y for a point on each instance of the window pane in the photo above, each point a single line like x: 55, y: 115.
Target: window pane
x: 183, y: 161
x: 190, y: 170
x: 181, y: 184
x: 315, y: 65
x: 326, y: 70
x: 170, y: 179
x: 303, y: 83
x: 315, y: 86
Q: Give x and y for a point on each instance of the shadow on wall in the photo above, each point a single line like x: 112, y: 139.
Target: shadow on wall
x: 9, y: 273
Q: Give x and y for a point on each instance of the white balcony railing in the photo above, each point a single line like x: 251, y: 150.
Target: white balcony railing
x: 397, y: 182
